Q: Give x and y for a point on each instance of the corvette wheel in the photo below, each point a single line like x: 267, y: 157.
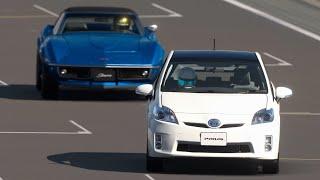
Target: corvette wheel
x: 49, y: 88
x: 38, y: 73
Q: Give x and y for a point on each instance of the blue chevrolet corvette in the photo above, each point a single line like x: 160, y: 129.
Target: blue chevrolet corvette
x: 94, y: 48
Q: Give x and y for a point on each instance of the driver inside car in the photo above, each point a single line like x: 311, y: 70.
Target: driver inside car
x: 187, y: 78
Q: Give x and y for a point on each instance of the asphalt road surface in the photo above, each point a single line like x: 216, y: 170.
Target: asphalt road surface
x: 104, y: 136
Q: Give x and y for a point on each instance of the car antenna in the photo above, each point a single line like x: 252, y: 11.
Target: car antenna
x: 214, y: 42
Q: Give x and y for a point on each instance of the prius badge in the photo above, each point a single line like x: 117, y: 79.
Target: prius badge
x: 214, y: 123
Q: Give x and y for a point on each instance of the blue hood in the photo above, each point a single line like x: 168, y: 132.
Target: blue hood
x: 101, y: 49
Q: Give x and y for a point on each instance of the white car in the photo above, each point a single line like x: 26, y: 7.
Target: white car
x: 213, y: 104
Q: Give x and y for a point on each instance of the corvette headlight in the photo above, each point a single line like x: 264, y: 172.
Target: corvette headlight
x: 164, y: 114
x: 263, y: 116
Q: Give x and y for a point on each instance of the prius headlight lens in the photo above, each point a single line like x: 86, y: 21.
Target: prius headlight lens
x: 164, y: 114
x: 263, y: 116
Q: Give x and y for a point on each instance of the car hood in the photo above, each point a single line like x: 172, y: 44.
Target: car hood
x: 102, y: 49
x: 209, y: 103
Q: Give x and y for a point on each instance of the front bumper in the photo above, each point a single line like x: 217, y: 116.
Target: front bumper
x: 175, y: 136
x: 89, y: 85
x: 89, y: 82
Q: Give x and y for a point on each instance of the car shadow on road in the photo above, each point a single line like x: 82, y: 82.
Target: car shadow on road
x: 135, y: 163
x: 29, y: 92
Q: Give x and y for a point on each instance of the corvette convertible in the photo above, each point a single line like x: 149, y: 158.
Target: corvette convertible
x: 96, y: 48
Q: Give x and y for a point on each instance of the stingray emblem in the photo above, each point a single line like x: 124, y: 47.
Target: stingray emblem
x: 102, y: 75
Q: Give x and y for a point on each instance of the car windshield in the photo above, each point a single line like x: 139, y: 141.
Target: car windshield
x: 198, y: 75
x: 101, y: 23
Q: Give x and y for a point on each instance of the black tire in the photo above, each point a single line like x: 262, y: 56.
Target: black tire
x: 38, y: 73
x: 270, y: 166
x: 49, y: 88
x: 154, y: 164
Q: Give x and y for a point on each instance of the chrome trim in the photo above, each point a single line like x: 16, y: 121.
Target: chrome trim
x: 108, y: 66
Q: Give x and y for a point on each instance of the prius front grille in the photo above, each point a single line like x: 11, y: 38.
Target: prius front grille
x: 229, y: 148
x: 203, y: 125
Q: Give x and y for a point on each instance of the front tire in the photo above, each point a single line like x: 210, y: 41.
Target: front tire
x: 49, y: 88
x: 271, y: 166
x: 154, y: 164
x: 38, y: 73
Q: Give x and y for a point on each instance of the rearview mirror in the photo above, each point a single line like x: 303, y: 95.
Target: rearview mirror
x: 283, y: 92
x: 144, y: 89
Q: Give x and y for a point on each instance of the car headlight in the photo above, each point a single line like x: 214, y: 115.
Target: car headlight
x: 263, y: 116
x: 164, y: 114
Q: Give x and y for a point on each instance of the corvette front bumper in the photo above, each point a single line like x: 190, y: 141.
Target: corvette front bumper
x: 89, y: 85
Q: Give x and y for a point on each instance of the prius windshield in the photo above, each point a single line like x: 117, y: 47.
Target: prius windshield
x: 196, y: 75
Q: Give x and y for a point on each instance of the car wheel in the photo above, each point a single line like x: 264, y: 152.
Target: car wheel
x: 154, y: 164
x: 49, y: 88
x: 270, y: 166
x: 38, y: 73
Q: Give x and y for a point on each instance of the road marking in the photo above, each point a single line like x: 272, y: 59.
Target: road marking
x: 300, y: 159
x: 2, y: 83
x: 83, y: 131
x: 274, y: 19
x: 172, y: 14
x: 300, y: 113
x: 149, y: 177
x: 281, y: 61
x: 25, y: 17
x: 45, y: 10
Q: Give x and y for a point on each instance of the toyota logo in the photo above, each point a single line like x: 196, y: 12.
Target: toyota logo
x: 214, y: 123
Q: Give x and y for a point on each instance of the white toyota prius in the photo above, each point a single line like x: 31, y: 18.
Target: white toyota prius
x: 213, y: 104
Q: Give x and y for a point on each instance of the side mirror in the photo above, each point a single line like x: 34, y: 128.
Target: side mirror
x: 153, y: 28
x: 144, y: 89
x: 283, y: 92
x: 48, y: 30
x: 150, y: 31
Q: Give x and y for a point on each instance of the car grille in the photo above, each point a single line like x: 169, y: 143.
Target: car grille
x: 230, y: 148
x: 203, y: 125
x: 133, y: 74
x: 104, y: 74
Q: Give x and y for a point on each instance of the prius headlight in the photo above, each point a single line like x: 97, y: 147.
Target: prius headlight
x: 164, y: 114
x: 263, y: 116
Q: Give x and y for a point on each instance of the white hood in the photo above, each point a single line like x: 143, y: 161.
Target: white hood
x: 208, y: 103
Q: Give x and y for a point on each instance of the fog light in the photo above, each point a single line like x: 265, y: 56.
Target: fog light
x: 267, y: 147
x: 63, y: 71
x: 158, y: 141
x: 145, y: 73
x: 269, y: 139
x: 268, y: 143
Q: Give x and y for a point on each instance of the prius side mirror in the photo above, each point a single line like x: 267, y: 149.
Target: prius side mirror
x: 145, y: 89
x: 283, y: 93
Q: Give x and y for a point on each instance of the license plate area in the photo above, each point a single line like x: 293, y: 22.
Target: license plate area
x: 100, y: 74
x: 213, y: 139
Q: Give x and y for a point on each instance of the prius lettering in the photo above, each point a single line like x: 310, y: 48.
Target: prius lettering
x: 213, y: 139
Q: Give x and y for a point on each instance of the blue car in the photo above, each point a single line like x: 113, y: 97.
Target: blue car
x: 96, y: 48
